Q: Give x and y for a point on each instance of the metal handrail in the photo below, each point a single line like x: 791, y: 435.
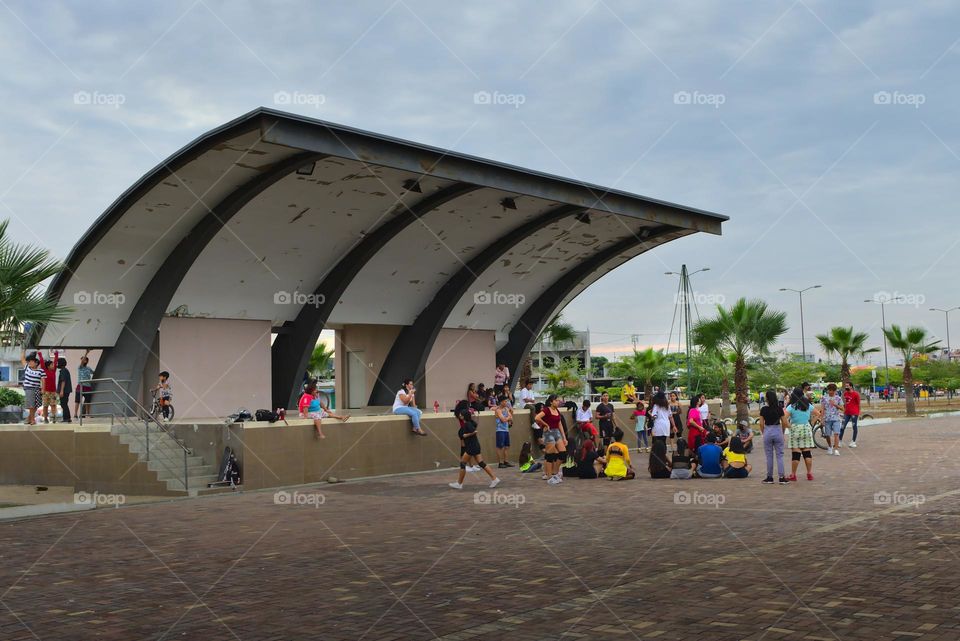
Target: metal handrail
x: 131, y: 405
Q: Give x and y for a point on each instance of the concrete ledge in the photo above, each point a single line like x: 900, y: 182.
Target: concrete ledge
x: 43, y: 509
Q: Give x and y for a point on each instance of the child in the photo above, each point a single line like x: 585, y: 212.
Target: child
x: 585, y: 422
x: 468, y: 434
x: 33, y: 376
x: 617, y: 459
x: 50, y: 397
x: 640, y: 418
x: 504, y: 417
x: 165, y: 394
x: 526, y: 460
x: 311, y: 406
x: 746, y: 435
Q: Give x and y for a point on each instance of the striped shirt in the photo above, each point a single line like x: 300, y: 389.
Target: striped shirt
x: 32, y: 377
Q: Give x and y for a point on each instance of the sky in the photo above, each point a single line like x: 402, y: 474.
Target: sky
x: 826, y: 131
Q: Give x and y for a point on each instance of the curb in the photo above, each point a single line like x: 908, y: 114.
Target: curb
x: 43, y: 509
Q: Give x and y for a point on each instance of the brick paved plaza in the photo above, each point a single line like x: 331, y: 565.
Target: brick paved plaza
x: 408, y: 558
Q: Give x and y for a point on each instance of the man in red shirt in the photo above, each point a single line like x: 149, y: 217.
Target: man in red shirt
x: 851, y: 411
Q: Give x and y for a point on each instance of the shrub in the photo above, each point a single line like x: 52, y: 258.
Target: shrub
x: 10, y: 396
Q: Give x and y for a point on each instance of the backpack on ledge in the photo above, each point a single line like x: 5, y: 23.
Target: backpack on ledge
x: 266, y: 415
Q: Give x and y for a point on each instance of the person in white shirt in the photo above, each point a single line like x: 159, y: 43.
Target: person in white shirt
x: 526, y: 396
x: 704, y: 411
x: 405, y: 403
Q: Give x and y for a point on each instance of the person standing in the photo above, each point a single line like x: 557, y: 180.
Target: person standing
x: 50, y: 397
x: 696, y: 433
x: 64, y: 387
x: 798, y: 414
x: 771, y: 429
x: 84, y: 392
x: 832, y: 409
x: 662, y: 417
x: 33, y: 376
x: 504, y: 417
x: 553, y: 438
x: 677, y: 413
x: 501, y: 378
x: 704, y: 411
x: 471, y: 447
x: 640, y: 418
x: 607, y: 418
x: 851, y: 412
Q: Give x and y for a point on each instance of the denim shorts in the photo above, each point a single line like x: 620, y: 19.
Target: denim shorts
x: 831, y: 427
x: 552, y: 436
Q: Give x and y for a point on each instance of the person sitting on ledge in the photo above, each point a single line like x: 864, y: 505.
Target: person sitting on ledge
x: 311, y: 406
x: 405, y: 403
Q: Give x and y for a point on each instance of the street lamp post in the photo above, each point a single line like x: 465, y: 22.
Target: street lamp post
x: 883, y: 325
x: 946, y: 316
x: 803, y: 340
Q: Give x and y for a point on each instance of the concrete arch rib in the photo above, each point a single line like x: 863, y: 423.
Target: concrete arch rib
x: 291, y: 350
x: 408, y: 356
x: 525, y: 331
x: 126, y: 359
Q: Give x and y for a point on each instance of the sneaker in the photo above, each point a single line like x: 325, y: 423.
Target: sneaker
x: 767, y: 481
x: 552, y: 480
x: 507, y: 464
x: 853, y: 444
x: 495, y: 482
x: 784, y: 481
x: 809, y: 477
x: 501, y: 465
x: 792, y: 477
x: 829, y: 451
x: 456, y: 486
x: 544, y: 477
x: 559, y: 478
x: 836, y: 452
x: 839, y: 445
x: 473, y: 468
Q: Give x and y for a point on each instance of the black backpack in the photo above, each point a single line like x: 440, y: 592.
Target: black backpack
x: 266, y: 415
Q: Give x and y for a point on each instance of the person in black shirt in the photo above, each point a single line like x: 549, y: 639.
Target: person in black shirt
x: 771, y: 426
x: 64, y: 386
x: 607, y: 418
x: 471, y: 448
x: 587, y: 465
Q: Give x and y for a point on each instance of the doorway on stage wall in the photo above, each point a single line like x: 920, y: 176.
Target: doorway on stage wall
x: 357, y: 393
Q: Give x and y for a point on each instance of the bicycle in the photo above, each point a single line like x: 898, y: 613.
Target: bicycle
x: 156, y: 410
x: 817, y: 427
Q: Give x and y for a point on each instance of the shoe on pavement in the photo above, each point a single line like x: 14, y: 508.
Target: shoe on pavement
x: 455, y: 485
x: 473, y: 468
x: 785, y: 481
x: 792, y: 477
x: 507, y: 464
x: 853, y: 444
x: 836, y: 452
x: 829, y: 451
x: 544, y: 477
x: 552, y: 481
x: 495, y: 482
x: 767, y: 481
x: 809, y: 477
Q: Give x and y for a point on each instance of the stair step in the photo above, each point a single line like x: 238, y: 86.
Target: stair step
x: 195, y: 471
x: 194, y: 482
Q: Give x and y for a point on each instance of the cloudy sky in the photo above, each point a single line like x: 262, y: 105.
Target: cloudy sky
x: 825, y: 130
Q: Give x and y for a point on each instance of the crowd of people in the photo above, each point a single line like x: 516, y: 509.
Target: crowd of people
x: 680, y: 441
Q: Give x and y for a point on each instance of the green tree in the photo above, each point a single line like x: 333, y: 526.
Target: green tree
x: 844, y: 342
x: 748, y: 327
x: 319, y: 360
x: 648, y: 365
x: 597, y: 365
x: 558, y: 333
x: 910, y: 342
x: 23, y: 269
x: 566, y: 377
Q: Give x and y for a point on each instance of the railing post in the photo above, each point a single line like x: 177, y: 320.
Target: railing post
x: 185, y: 473
x: 146, y: 424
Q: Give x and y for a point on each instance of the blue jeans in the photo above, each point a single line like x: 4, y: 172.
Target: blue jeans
x: 846, y: 418
x: 642, y: 434
x: 413, y: 412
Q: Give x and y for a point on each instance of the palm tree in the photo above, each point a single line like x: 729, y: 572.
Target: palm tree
x: 319, y: 360
x: 844, y: 342
x: 23, y: 269
x: 557, y: 333
x: 746, y: 328
x: 910, y: 343
x: 647, y: 366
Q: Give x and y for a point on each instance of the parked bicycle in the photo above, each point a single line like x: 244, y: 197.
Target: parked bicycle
x: 819, y: 439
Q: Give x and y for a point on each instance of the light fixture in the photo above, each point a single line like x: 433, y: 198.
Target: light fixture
x: 412, y: 185
x: 306, y: 170
x: 508, y: 203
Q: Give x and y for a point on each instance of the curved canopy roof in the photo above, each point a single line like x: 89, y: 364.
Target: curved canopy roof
x: 250, y: 219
